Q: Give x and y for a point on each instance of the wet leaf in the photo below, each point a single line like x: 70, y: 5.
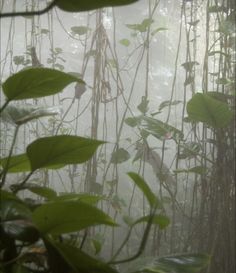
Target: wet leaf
x: 35, y: 83
x: 79, y: 261
x: 75, y: 5
x: 63, y: 149
x: 60, y: 217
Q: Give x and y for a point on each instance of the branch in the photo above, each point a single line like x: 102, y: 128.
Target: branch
x: 29, y: 13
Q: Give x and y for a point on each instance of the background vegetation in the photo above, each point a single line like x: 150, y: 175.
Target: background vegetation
x: 156, y: 82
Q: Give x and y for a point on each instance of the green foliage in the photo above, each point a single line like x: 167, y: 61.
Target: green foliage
x: 35, y: 83
x: 205, y: 108
x: 60, y: 217
x: 143, y: 186
x: 60, y: 150
x: 54, y: 217
x: 75, y: 6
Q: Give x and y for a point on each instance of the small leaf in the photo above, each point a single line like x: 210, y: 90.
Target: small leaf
x: 83, y: 5
x: 125, y: 42
x: 80, y: 30
x: 42, y: 191
x: 83, y: 197
x: 168, y: 103
x: 60, y: 217
x: 204, y: 108
x: 63, y: 149
x: 119, y: 156
x: 36, y: 83
x: 161, y: 220
x: 143, y: 186
x: 133, y: 122
x: 194, y: 23
x: 18, y: 163
x: 158, y: 30
x: 143, y: 106
x: 197, y: 170
x: 188, y: 66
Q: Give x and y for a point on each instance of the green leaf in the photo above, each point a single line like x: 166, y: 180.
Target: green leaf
x: 186, y: 263
x: 125, y: 42
x: 119, y: 156
x: 60, y: 217
x: 83, y: 197
x: 80, y: 30
x: 18, y: 163
x: 75, y: 5
x: 133, y: 122
x: 143, y: 186
x: 35, y: 83
x: 158, y: 30
x: 213, y: 112
x: 161, y: 130
x: 189, y: 150
x: 80, y: 261
x: 63, y: 149
x: 167, y: 103
x: 143, y: 106
x: 161, y: 220
x: 20, y: 114
x: 16, y: 220
x: 42, y: 191
x: 197, y: 170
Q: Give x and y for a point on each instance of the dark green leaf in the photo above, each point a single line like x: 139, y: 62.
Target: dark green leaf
x: 18, y: 163
x: 119, y: 156
x: 21, y: 229
x: 143, y: 186
x: 80, y: 261
x: 63, y: 149
x: 60, y: 217
x: 204, y: 108
x: 158, y: 30
x: 83, y: 5
x: 161, y: 220
x: 36, y: 83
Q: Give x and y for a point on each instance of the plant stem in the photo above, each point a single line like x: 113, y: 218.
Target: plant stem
x: 4, y: 106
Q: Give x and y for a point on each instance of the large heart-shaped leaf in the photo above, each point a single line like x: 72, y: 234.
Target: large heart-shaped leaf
x: 68, y: 216
x: 213, y: 112
x: 35, y: 83
x: 63, y: 149
x: 83, y: 5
